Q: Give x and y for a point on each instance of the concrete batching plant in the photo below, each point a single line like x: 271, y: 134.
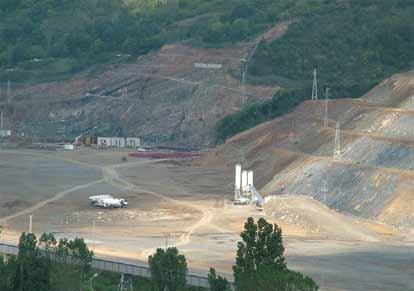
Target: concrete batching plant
x: 244, y: 191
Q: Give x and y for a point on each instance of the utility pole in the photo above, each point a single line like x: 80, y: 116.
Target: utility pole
x: 166, y: 235
x: 31, y: 224
x: 2, y: 121
x: 125, y: 284
x: 121, y: 283
x: 337, y: 150
x: 93, y: 235
x: 8, y: 90
x: 315, y: 85
x: 325, y: 120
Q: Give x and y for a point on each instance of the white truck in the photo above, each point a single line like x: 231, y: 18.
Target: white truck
x: 107, y: 201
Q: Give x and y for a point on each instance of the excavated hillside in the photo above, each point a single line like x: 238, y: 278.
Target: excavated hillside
x: 171, y: 97
x: 374, y: 177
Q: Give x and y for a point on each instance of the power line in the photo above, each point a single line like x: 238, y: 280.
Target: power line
x: 325, y: 120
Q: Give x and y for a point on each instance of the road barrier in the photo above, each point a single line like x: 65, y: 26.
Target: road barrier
x: 119, y: 267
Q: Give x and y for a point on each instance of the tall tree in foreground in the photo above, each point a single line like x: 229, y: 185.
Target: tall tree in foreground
x: 168, y: 269
x: 216, y: 282
x: 32, y: 270
x: 260, y: 263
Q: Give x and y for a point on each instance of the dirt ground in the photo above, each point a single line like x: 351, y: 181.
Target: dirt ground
x: 178, y: 204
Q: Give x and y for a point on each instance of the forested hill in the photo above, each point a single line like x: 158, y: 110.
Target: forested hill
x: 353, y: 44
x: 51, y: 37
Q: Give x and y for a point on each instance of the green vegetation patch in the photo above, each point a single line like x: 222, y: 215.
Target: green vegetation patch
x: 353, y: 44
x: 255, y: 113
x: 43, y: 39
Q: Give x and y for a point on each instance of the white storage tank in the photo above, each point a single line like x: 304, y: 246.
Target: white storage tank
x: 244, y: 180
x: 250, y: 178
x: 238, y: 177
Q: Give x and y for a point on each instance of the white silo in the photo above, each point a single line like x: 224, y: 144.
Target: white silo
x: 244, y: 181
x: 238, y: 177
x: 250, y: 178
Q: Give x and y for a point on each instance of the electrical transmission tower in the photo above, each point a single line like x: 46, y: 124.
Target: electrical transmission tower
x: 125, y: 284
x: 337, y: 150
x: 315, y: 86
x: 1, y: 120
x: 324, y: 189
x: 325, y: 119
x: 124, y: 93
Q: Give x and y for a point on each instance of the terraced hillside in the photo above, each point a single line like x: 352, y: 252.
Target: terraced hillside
x: 163, y: 97
x: 374, y: 178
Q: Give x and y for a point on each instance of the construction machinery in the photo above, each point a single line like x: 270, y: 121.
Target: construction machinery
x: 107, y: 201
x: 244, y: 192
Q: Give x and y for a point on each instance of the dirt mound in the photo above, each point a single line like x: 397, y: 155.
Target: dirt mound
x: 315, y: 219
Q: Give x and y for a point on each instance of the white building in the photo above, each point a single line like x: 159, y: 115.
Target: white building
x: 5, y: 133
x: 103, y: 142
x: 133, y: 142
x: 118, y: 142
x: 69, y: 147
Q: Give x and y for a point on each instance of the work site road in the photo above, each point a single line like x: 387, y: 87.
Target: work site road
x: 110, y: 175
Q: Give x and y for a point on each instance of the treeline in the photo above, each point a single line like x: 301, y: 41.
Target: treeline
x: 46, y: 264
x: 66, y: 265
x: 353, y: 44
x: 49, y: 37
x: 242, y: 21
x: 66, y: 36
x: 253, y: 114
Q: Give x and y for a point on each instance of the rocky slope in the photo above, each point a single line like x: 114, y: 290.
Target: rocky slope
x: 373, y: 178
x: 162, y: 97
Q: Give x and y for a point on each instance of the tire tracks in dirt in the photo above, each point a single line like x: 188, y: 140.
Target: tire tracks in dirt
x: 43, y: 203
x: 111, y: 176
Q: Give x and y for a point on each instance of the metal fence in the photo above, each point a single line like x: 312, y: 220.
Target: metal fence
x: 9, y: 249
x: 120, y: 267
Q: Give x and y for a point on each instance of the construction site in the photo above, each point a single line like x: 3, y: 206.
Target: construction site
x: 336, y: 175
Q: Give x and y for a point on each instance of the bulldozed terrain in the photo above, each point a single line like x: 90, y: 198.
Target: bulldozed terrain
x: 169, y: 97
x: 347, y: 223
x: 373, y: 179
x: 176, y: 203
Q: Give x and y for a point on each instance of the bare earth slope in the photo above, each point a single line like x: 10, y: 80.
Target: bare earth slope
x: 374, y: 177
x: 164, y: 97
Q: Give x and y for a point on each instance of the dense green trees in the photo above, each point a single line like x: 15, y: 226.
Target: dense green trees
x: 353, y: 44
x: 32, y: 271
x: 216, y: 282
x: 255, y: 113
x: 48, y: 37
x: 66, y: 265
x: 241, y: 20
x: 65, y: 36
x: 260, y: 263
x: 168, y: 269
x: 62, y: 267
